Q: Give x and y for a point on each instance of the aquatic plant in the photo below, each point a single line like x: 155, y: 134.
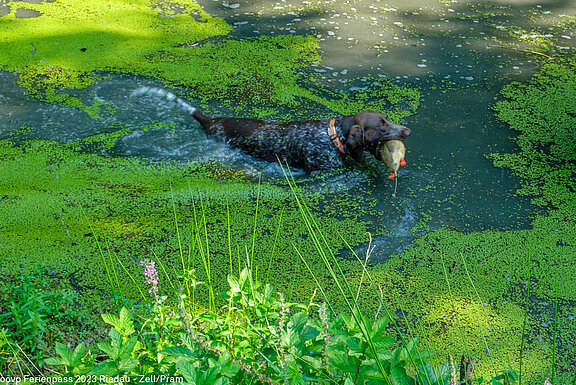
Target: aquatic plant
x: 123, y: 207
x: 542, y: 111
x: 259, y: 77
x: 151, y: 276
x: 123, y: 203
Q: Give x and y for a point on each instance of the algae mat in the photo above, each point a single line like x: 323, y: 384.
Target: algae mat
x: 68, y: 210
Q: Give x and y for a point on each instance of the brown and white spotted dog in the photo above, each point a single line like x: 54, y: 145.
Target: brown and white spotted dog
x: 310, y: 144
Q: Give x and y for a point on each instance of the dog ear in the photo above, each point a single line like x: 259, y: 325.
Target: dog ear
x: 355, y: 143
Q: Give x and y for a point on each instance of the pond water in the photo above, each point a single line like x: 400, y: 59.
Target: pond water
x: 451, y: 50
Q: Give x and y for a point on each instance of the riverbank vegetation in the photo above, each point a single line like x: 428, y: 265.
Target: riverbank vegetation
x: 248, y: 282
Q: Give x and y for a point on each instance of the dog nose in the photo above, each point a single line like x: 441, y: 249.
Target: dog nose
x: 407, y: 132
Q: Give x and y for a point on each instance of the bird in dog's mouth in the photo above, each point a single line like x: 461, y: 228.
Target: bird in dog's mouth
x: 392, y: 153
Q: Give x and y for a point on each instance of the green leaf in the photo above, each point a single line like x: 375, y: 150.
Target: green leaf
x: 350, y: 324
x: 409, y: 352
x: 179, y: 351
x: 78, y: 354
x: 64, y: 352
x: 435, y: 376
x: 356, y: 345
x: 396, y: 358
x: 105, y: 368
x: 344, y: 362
x: 421, y: 355
x: 383, y: 342
x: 210, y: 376
x: 230, y: 370
x: 126, y: 349
x: 398, y: 375
x: 188, y: 341
x: 110, y: 319
x: 385, y: 355
x: 234, y: 285
x: 294, y: 375
x: 348, y: 381
x: 81, y: 369
x: 126, y: 326
x: 123, y: 324
x: 244, y: 278
x: 298, y: 320
x: 107, y: 348
x: 189, y: 371
x: 379, y: 327
x: 127, y: 365
x: 315, y: 363
x: 56, y: 361
x: 495, y: 381
x: 115, y: 339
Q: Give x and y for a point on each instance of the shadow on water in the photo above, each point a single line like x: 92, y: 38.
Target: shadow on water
x: 443, y: 49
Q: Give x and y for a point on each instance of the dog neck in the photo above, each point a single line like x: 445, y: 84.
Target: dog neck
x: 338, y: 130
x: 334, y: 137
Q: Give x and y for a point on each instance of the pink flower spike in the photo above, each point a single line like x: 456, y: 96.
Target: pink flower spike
x: 151, y: 276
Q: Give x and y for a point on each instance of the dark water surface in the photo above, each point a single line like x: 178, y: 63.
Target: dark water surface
x: 450, y: 50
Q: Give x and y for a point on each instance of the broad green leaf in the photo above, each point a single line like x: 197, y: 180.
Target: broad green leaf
x: 123, y: 324
x: 115, y: 338
x: 230, y: 370
x: 81, y: 369
x: 315, y: 363
x: 349, y: 321
x: 294, y: 375
x: 292, y: 339
x: 189, y: 371
x: 105, y: 368
x: 344, y: 362
x: 188, y: 341
x: 495, y: 381
x: 126, y: 326
x: 356, y: 345
x: 298, y: 320
x: 107, y: 348
x: 126, y: 348
x: 409, y: 352
x: 421, y: 355
x: 127, y: 364
x: 348, y: 381
x: 244, y: 278
x: 78, y: 354
x: 64, y: 352
x: 234, y: 285
x: 110, y: 319
x: 379, y: 327
x: 385, y: 356
x: 309, y: 332
x: 179, y: 351
x: 57, y: 361
x: 398, y: 375
x: 210, y: 376
x: 383, y: 342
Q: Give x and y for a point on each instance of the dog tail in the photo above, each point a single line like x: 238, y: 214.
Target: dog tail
x: 169, y: 96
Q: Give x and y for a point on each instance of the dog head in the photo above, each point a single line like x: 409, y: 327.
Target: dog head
x: 369, y: 132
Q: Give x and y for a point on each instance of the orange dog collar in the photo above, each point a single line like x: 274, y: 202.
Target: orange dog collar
x: 334, y: 137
